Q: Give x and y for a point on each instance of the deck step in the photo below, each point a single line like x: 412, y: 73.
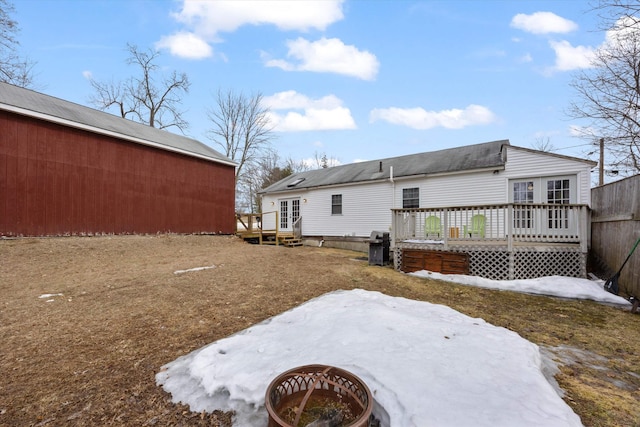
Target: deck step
x: 291, y: 241
x: 271, y: 239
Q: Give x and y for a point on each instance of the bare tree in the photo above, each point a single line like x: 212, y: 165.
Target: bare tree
x: 322, y: 161
x: 258, y: 175
x: 610, y: 11
x: 241, y: 127
x: 608, y: 95
x: 14, y: 69
x: 147, y: 98
x: 543, y: 144
x: 296, y: 166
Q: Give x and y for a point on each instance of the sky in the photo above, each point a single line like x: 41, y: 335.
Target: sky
x: 425, y: 364
x: 355, y: 80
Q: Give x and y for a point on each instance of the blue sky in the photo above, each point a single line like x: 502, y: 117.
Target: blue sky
x: 357, y: 80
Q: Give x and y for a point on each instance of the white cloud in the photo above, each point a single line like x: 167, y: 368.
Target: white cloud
x: 87, y: 74
x: 571, y: 58
x: 212, y: 17
x: 526, y: 58
x: 205, y: 19
x: 185, y: 45
x: 419, y: 118
x: 543, y: 23
x: 317, y: 114
x: 313, y: 119
x: 291, y: 99
x: 328, y: 56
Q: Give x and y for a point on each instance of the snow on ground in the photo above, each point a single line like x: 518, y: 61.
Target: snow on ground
x: 558, y: 286
x: 190, y: 270
x: 425, y: 364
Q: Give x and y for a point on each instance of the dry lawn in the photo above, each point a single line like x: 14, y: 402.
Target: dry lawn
x: 89, y: 356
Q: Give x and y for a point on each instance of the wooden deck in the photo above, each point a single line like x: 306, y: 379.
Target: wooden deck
x: 514, y: 242
x: 249, y: 228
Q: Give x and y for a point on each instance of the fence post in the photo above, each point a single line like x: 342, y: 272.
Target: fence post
x: 510, y: 230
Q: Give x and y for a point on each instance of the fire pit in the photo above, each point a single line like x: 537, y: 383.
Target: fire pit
x: 318, y: 395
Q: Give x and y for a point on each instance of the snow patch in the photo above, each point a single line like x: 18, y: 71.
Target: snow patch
x: 425, y: 364
x: 194, y: 269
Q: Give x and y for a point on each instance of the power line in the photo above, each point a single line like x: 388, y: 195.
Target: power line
x: 573, y: 146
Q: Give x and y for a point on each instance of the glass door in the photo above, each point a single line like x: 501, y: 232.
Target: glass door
x: 551, y: 216
x: 558, y: 217
x: 523, y: 216
x: 289, y: 213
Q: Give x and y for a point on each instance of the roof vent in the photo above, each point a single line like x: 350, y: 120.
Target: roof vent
x: 296, y: 182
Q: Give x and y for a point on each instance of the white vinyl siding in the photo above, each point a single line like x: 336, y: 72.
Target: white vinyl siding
x: 365, y: 207
x: 476, y: 188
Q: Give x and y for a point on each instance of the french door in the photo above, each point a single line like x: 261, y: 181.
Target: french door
x: 555, y: 193
x: 289, y: 213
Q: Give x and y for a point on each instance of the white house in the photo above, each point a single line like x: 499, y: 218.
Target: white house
x: 517, y: 192
x: 355, y: 199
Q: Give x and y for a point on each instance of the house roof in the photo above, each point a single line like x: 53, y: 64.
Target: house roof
x: 45, y: 107
x: 466, y: 158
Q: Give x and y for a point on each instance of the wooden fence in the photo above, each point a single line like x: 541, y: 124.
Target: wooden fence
x: 615, y: 227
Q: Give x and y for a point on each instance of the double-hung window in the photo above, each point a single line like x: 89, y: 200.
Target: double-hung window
x: 410, y: 198
x: 336, y: 204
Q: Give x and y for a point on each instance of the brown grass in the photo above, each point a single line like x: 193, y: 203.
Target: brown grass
x: 89, y: 357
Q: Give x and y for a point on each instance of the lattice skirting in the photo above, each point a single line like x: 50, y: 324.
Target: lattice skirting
x: 497, y: 263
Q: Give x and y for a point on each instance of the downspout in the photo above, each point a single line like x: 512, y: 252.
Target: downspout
x: 393, y: 187
x: 393, y: 205
x: 391, y: 174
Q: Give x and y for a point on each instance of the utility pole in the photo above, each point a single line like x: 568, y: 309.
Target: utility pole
x: 601, y: 171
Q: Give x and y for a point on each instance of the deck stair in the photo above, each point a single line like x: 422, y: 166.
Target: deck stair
x: 284, y: 240
x: 290, y: 241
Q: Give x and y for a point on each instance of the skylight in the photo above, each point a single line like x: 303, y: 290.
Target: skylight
x: 295, y: 182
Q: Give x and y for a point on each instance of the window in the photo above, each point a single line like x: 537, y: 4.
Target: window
x: 410, y: 198
x: 336, y: 204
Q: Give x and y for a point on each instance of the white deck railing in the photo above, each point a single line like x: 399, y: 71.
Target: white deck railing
x: 507, y: 223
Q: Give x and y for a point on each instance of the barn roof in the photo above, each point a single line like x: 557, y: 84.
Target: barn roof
x: 34, y: 104
x: 466, y: 158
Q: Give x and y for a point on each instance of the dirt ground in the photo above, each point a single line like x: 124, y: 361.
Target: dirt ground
x: 87, y: 354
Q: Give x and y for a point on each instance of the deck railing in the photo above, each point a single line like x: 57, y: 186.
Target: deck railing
x: 252, y: 226
x: 508, y: 223
x: 297, y: 228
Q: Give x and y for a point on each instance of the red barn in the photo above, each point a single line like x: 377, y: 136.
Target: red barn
x: 66, y: 169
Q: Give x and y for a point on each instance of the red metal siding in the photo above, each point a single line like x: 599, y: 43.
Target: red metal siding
x: 56, y: 180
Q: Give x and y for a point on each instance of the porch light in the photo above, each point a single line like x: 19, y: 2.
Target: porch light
x: 304, y: 200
